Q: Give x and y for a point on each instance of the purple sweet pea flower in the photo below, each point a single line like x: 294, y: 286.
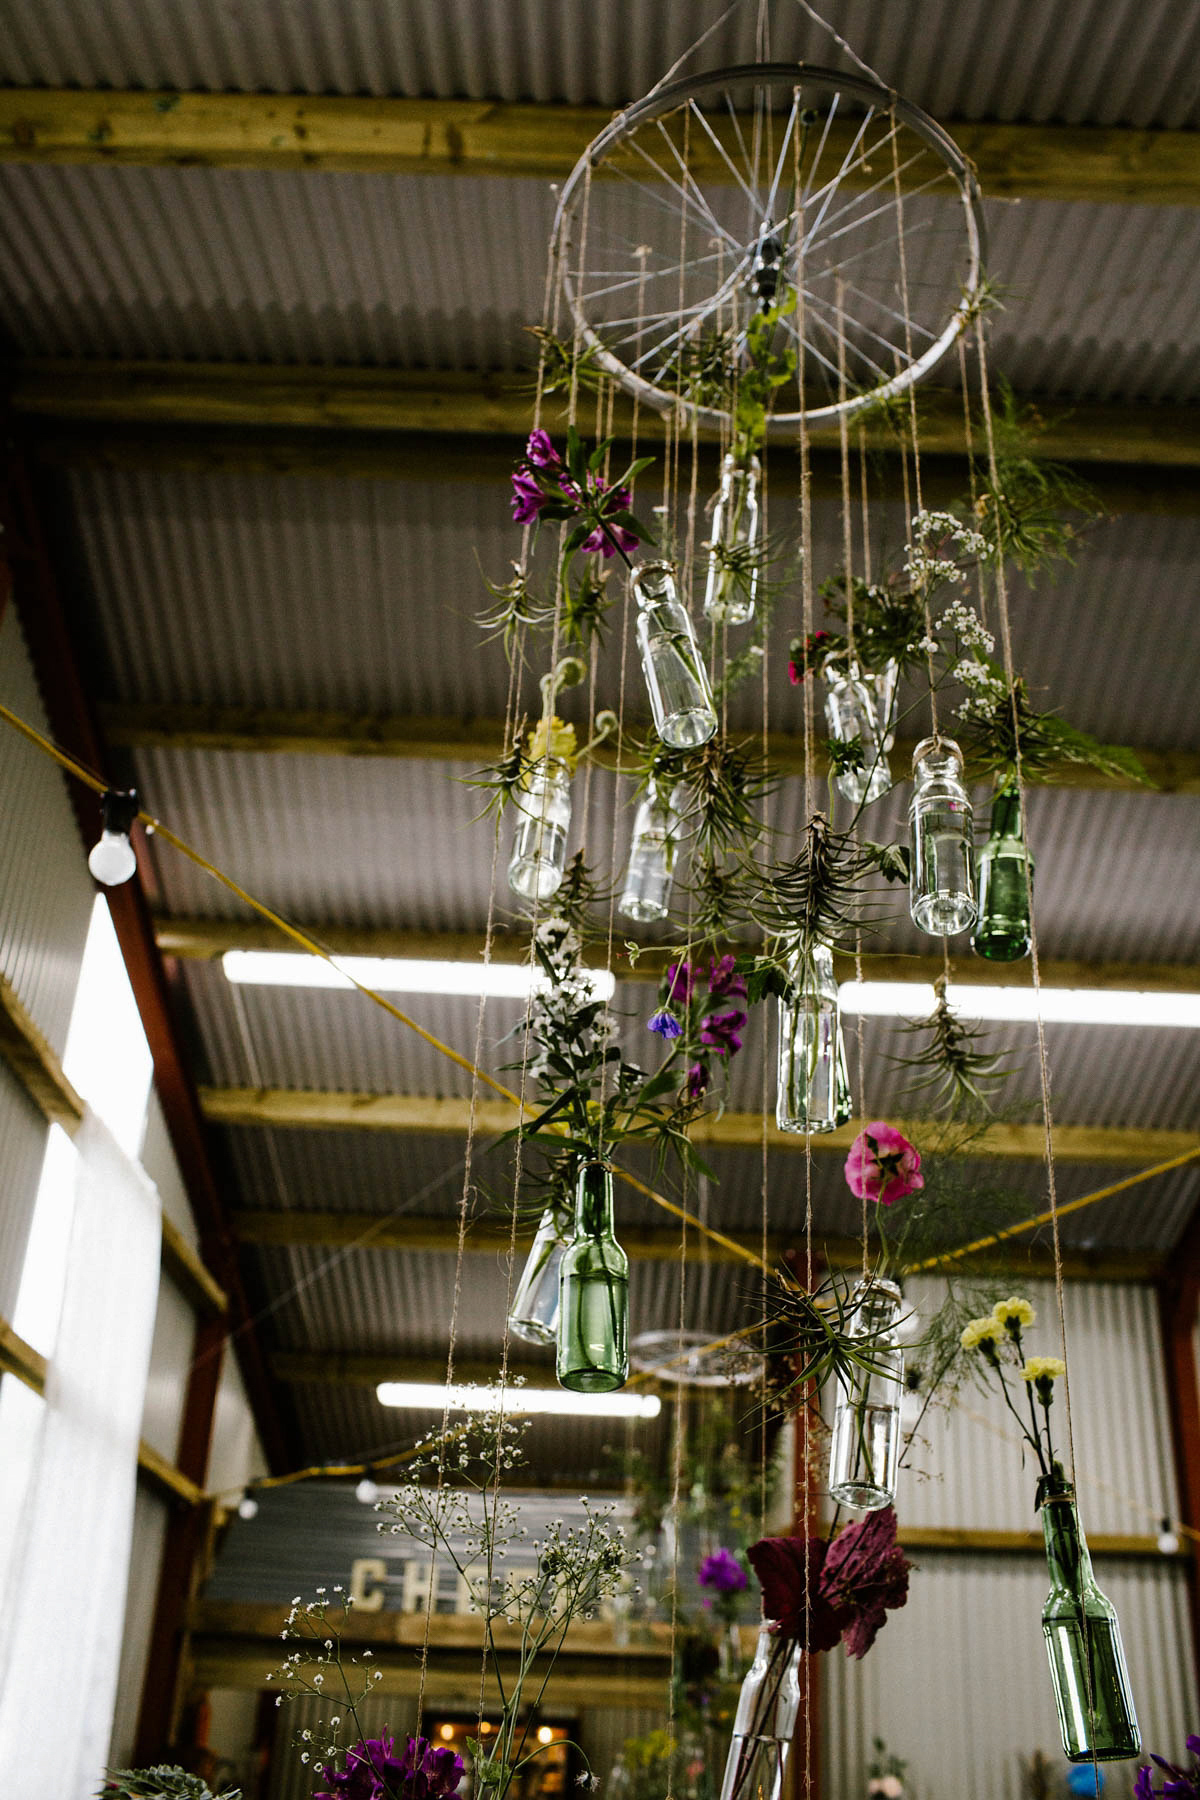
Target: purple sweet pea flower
x: 665, y: 1024
x: 540, y: 451
x: 1142, y: 1787
x: 698, y: 1079
x: 681, y: 979
x: 719, y: 1031
x: 527, y: 497
x: 374, y: 1772
x: 611, y: 538
x: 724, y: 983
x: 722, y: 1572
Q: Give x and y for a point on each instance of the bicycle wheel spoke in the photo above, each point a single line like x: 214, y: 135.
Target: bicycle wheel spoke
x: 722, y: 152
x: 783, y: 150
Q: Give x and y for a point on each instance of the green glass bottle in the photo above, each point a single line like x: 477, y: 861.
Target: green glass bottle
x: 1083, y: 1641
x: 593, y: 1307
x: 1002, y: 930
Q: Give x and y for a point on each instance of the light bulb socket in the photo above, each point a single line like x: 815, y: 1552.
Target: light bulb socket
x: 119, y: 807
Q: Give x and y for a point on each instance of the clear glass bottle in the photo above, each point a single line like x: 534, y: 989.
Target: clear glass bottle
x: 593, y: 1311
x: 765, y: 1721
x: 732, y: 585
x: 812, y: 1085
x: 865, y: 1455
x: 941, y: 883
x: 646, y: 895
x: 860, y: 705
x: 1003, y: 931
x: 676, y: 678
x: 1083, y: 1641
x: 539, y: 852
x: 534, y: 1312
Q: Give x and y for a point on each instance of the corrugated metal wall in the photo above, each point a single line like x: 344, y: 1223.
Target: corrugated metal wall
x: 958, y: 1684
x: 45, y: 906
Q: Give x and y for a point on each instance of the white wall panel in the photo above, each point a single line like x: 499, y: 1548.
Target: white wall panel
x: 170, y: 1360
x: 149, y: 1532
x: 236, y: 1454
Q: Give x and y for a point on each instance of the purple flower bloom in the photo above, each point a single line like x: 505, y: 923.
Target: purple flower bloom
x: 1142, y: 1787
x: 612, y: 537
x: 724, y: 983
x: 698, y: 1079
x: 719, y: 1031
x: 681, y: 979
x: 665, y: 1024
x: 527, y: 497
x: 541, y: 452
x: 722, y: 1572
x: 374, y: 1772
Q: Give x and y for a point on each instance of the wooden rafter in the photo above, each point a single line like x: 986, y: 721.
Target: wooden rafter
x: 334, y: 1110
x: 206, y: 939
x: 541, y: 142
x: 412, y: 737
x: 398, y: 402
x: 641, y: 1243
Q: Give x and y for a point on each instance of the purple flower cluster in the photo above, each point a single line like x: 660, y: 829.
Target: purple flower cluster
x: 1180, y: 1784
x: 720, y: 1032
x: 540, y: 480
x: 374, y: 1772
x: 722, y: 1572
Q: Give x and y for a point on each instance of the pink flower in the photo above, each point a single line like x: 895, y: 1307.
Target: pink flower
x: 541, y: 452
x: 789, y: 1572
x: 865, y: 1577
x: 527, y: 497
x: 883, y: 1165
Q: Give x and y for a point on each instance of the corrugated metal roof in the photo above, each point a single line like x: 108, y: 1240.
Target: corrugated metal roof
x: 307, y: 266
x: 1094, y: 61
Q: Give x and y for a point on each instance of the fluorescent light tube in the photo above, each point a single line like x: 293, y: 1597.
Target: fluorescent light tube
x: 435, y: 1397
x: 394, y: 974
x: 1065, y: 1006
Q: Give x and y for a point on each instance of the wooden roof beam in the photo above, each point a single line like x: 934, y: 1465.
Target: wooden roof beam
x: 207, y: 939
x: 140, y: 726
x: 336, y: 1110
x: 393, y: 402
x: 540, y: 142
x: 641, y: 1243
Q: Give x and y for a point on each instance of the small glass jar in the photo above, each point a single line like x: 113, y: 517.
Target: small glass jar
x: 864, y: 1458
x: 1003, y: 931
x: 593, y: 1311
x: 534, y: 1312
x: 941, y: 885
x: 539, y: 852
x: 765, y: 1720
x: 1083, y: 1641
x: 812, y: 1091
x: 646, y: 895
x: 860, y: 705
x: 732, y: 585
x: 676, y: 678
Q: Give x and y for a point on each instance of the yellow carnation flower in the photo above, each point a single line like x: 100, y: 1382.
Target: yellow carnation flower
x: 979, y: 1330
x: 1043, y: 1368
x: 1013, y: 1311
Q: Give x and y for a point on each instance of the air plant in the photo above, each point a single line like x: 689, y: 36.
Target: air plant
x: 954, y: 1069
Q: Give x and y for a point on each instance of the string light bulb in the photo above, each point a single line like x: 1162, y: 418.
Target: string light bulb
x: 247, y: 1506
x: 112, y: 860
x: 367, y: 1491
x: 1168, y: 1540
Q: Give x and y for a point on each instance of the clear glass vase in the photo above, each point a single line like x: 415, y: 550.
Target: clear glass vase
x: 676, y: 678
x: 859, y: 704
x: 1003, y: 931
x: 539, y: 852
x: 534, y: 1313
x: 646, y: 895
x: 593, y: 1310
x: 1083, y: 1641
x: 765, y: 1721
x: 732, y: 585
x: 941, y: 889
x: 813, y: 1087
x: 864, y: 1458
